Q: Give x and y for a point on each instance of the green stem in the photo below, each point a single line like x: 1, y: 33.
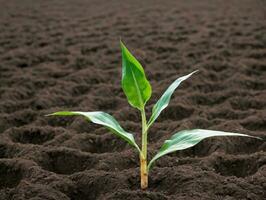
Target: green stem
x: 144, y: 133
x: 143, y: 156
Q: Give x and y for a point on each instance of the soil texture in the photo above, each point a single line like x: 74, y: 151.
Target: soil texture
x: 65, y: 55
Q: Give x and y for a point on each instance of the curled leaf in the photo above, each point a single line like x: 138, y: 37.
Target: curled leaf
x: 189, y: 138
x: 104, y: 119
x: 163, y: 102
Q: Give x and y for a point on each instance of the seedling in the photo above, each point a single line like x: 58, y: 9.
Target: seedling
x: 138, y: 91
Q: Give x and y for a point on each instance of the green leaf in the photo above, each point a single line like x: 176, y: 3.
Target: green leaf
x: 189, y: 138
x: 134, y: 83
x: 163, y: 102
x: 104, y: 119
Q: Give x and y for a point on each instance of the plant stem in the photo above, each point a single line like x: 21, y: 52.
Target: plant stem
x: 143, y: 156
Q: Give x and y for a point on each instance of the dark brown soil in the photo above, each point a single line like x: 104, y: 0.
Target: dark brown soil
x: 64, y: 54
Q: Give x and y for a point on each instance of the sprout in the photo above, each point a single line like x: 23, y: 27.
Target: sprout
x: 138, y: 91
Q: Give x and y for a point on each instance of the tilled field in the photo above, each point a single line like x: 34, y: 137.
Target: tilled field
x: 64, y: 55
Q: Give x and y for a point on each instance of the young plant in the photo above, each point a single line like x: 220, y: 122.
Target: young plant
x: 138, y: 91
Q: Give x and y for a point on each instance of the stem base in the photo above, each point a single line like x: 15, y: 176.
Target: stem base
x: 143, y: 173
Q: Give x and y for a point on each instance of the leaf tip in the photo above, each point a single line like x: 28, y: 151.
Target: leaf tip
x: 196, y: 71
x: 61, y: 113
x: 259, y: 138
x: 48, y: 115
x: 121, y: 44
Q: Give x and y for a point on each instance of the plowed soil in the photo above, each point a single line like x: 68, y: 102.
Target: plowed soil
x: 64, y: 55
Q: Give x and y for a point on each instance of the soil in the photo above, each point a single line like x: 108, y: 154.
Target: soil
x: 64, y: 55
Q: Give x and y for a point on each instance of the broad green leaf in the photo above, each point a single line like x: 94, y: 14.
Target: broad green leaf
x: 163, y: 102
x: 134, y: 83
x: 189, y: 138
x: 104, y: 119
